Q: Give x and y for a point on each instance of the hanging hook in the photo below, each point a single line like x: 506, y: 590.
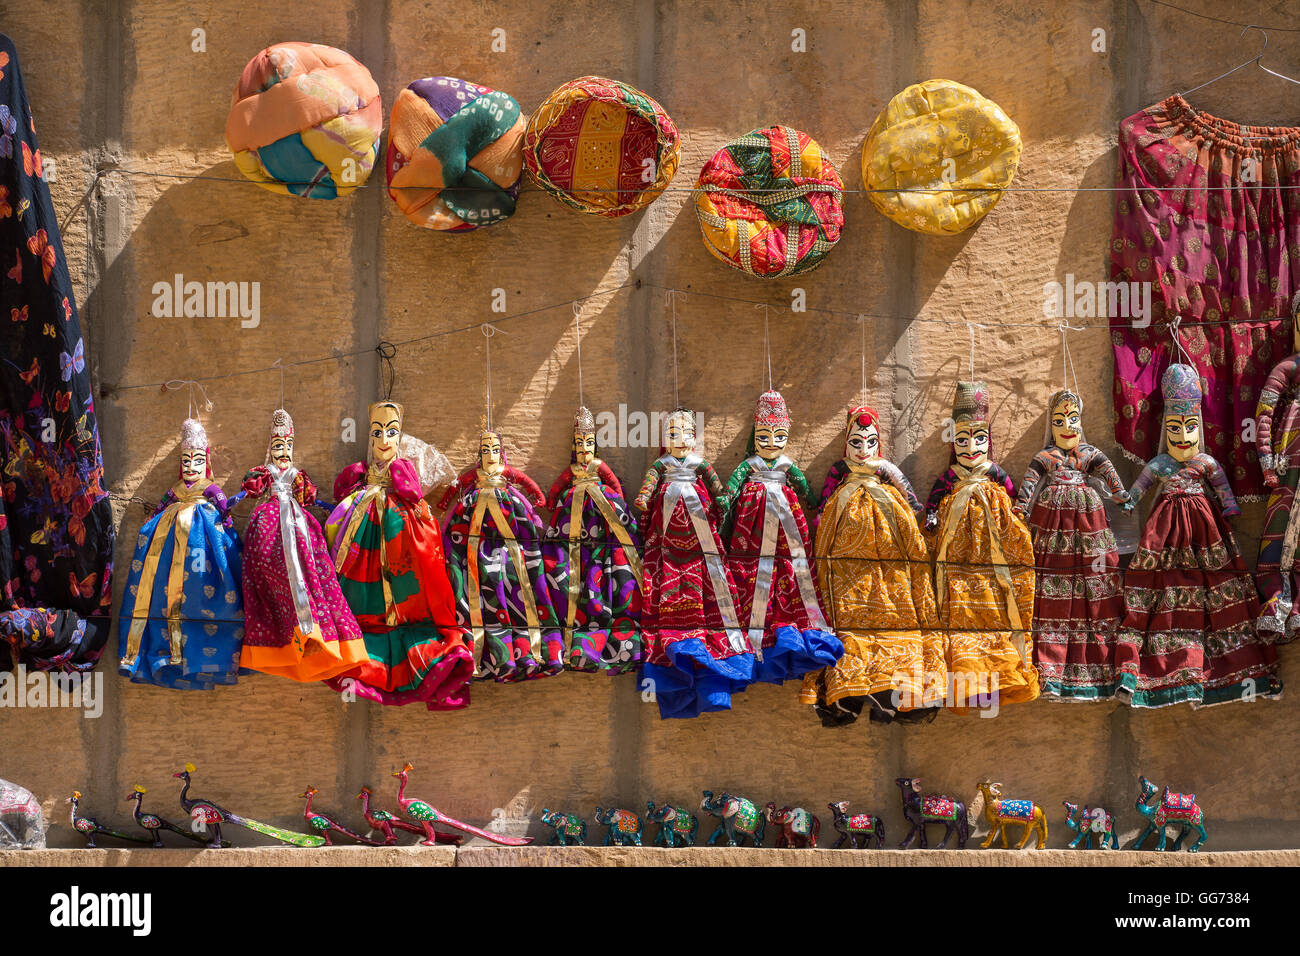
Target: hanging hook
x: 386, y: 351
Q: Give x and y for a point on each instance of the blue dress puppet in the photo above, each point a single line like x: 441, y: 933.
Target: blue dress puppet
x: 181, y: 623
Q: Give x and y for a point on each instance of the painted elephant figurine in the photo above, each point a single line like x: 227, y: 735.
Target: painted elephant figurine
x: 739, y: 819
x: 857, y: 830
x: 799, y: 829
x: 677, y: 825
x: 1091, y: 820
x: 624, y: 826
x: 569, y: 830
x: 1172, y: 809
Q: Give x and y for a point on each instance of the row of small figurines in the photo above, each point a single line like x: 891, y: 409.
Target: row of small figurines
x: 739, y: 820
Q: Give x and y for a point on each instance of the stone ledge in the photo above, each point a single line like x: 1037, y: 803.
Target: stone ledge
x: 500, y: 856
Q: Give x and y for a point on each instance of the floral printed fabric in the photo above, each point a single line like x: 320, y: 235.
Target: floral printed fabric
x: 56, y: 527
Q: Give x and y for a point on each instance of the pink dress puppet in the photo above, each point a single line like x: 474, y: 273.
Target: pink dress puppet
x: 768, y: 548
x: 696, y: 654
x: 494, y: 535
x: 296, y: 622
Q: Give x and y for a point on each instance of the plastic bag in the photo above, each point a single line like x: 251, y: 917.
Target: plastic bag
x: 22, y: 825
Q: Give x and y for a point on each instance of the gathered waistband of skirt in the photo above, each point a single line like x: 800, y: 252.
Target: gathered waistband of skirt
x: 1225, y: 133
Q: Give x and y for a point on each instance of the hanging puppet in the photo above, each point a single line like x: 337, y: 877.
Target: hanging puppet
x: 1190, y: 604
x: 496, y: 568
x: 181, y: 621
x: 768, y: 547
x: 388, y: 555
x: 983, y: 566
x: 296, y: 622
x: 696, y: 653
x: 593, y: 560
x: 874, y: 572
x: 1277, y: 439
x: 1079, y: 601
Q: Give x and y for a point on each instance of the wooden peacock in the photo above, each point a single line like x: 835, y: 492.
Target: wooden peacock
x: 89, y: 826
x: 154, y: 825
x: 205, y: 814
x: 425, y: 814
x: 323, y: 824
x: 385, y: 822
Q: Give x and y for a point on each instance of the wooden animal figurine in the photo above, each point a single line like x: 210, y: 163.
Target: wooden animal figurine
x: 325, y: 825
x: 739, y: 819
x: 153, y: 824
x: 857, y: 830
x: 205, y: 813
x: 677, y: 825
x: 999, y: 812
x: 425, y: 814
x: 1091, y: 820
x: 570, y: 830
x: 1173, y: 809
x: 385, y: 822
x: 931, y: 808
x: 624, y: 827
x: 89, y: 826
x: 798, y: 828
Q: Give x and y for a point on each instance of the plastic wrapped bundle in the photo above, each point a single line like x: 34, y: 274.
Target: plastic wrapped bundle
x: 22, y: 825
x: 305, y: 120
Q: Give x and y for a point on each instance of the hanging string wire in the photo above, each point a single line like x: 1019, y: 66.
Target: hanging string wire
x: 577, y: 325
x: 767, y: 343
x: 278, y: 364
x: 489, y: 330
x: 862, y: 323
x: 386, y: 352
x: 971, y: 327
x: 1067, y: 360
x: 176, y: 384
x: 671, y: 295
x: 1174, y: 323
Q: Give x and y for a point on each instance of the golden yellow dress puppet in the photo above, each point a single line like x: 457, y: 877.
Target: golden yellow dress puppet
x: 983, y: 567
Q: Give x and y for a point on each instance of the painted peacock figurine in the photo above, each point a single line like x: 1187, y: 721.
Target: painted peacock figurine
x: 89, y: 826
x: 385, y: 822
x: 324, y: 825
x: 425, y: 814
x: 205, y: 813
x: 154, y: 825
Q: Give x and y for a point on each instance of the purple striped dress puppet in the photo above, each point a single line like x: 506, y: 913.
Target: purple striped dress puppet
x: 1277, y: 439
x: 592, y: 560
x: 767, y: 549
x: 494, y: 537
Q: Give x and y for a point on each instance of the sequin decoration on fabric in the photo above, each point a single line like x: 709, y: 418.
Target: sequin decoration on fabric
x: 939, y: 157
x: 938, y: 808
x: 56, y: 522
x: 1209, y: 243
x: 601, y: 147
x: 455, y: 154
x: 770, y: 203
x: 305, y: 120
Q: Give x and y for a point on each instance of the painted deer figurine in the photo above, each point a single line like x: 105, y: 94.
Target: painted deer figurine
x: 1173, y: 809
x: 1092, y: 820
x: 1000, y: 812
x: 921, y: 810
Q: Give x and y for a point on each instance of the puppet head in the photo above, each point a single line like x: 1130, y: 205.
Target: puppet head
x: 584, y: 437
x: 1181, y: 386
x: 491, y: 452
x: 385, y: 432
x: 972, y: 443
x: 861, y: 436
x: 679, y: 432
x: 1065, y: 420
x: 771, y: 426
x: 195, y: 453
x: 279, y: 452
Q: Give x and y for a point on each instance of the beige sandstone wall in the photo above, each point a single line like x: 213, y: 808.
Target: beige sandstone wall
x: 117, y: 82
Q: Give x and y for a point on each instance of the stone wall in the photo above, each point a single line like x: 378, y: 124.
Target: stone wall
x: 118, y: 83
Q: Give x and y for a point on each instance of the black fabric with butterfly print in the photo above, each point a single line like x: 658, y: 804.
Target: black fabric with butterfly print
x: 56, y: 522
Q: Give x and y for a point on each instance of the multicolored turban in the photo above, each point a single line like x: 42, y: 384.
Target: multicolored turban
x: 305, y: 120
x: 602, y: 147
x: 455, y: 154
x: 770, y: 203
x: 956, y: 149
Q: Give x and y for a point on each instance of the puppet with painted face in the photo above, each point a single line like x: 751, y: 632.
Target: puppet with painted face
x: 593, y: 560
x: 181, y: 621
x: 1277, y: 439
x: 495, y: 560
x: 1079, y: 601
x: 296, y: 622
x: 874, y: 572
x: 1190, y: 605
x: 768, y: 552
x: 984, y: 566
x: 388, y: 556
x: 696, y: 653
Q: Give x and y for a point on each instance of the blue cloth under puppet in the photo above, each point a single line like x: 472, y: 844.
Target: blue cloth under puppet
x: 209, y: 616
